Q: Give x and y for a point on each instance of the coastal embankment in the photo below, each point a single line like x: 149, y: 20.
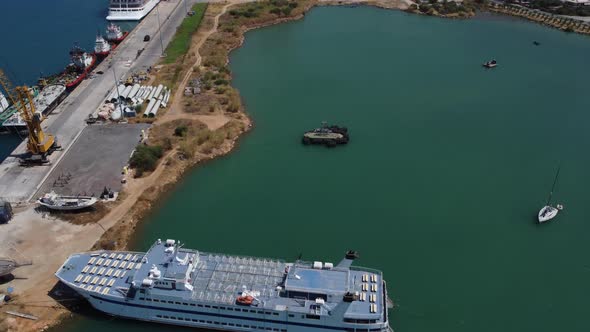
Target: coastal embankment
x: 567, y: 24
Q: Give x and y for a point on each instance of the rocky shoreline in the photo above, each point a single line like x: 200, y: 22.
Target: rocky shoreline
x: 550, y: 20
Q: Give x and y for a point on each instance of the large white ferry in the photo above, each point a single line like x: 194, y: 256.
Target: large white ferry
x: 174, y: 285
x: 130, y: 10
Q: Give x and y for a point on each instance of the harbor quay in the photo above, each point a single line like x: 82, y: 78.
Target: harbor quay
x: 20, y: 184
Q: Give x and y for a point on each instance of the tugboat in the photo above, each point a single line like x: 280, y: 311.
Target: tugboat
x: 101, y: 47
x: 326, y: 135
x: 54, y: 201
x: 82, y: 63
x: 114, y: 34
x: 490, y: 64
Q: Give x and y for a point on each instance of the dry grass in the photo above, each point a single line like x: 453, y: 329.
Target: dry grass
x: 163, y: 134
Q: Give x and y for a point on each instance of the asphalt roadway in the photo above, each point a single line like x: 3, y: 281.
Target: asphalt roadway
x: 95, y: 161
x: 20, y: 184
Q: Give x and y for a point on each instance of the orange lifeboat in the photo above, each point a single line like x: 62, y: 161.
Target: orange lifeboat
x: 245, y: 300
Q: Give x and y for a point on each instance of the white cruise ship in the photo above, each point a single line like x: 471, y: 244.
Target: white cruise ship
x: 130, y: 10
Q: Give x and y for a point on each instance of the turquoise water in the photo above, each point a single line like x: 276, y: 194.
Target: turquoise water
x: 447, y: 167
x: 37, y: 36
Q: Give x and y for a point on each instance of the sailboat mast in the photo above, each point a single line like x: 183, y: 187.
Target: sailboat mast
x: 553, y: 187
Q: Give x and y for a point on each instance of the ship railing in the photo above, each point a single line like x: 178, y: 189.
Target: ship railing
x: 366, y: 269
x: 221, y: 256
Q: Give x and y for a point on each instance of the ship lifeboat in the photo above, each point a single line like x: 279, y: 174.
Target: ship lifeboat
x: 245, y: 300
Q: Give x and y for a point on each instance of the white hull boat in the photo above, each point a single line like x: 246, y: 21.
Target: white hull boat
x: 547, y: 213
x: 54, y: 201
x: 7, y: 265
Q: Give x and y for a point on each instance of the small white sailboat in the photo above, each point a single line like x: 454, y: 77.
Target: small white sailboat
x: 548, y: 211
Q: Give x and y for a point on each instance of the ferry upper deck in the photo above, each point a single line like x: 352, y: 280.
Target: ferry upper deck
x: 171, y: 274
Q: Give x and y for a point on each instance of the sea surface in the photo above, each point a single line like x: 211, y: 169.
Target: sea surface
x: 439, y: 187
x: 36, y: 38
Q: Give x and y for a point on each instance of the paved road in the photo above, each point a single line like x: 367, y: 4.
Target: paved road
x: 94, y: 161
x: 19, y: 184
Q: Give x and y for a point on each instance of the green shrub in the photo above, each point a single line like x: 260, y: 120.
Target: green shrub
x: 145, y: 158
x: 180, y: 131
x: 287, y: 11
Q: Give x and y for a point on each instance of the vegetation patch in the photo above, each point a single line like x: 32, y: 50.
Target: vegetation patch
x: 180, y: 131
x: 444, y: 8
x: 145, y: 158
x: 182, y: 39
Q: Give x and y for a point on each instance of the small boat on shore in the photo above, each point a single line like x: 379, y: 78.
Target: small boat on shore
x: 66, y: 203
x: 490, y: 64
x: 548, y: 211
x: 7, y: 265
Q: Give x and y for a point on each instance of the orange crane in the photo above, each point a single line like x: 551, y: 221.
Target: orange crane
x: 39, y: 144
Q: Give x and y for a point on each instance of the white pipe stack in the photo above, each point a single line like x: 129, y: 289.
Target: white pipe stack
x: 152, y: 93
x: 133, y: 91
x: 144, y: 92
x: 165, y: 99
x: 154, y: 110
x: 149, y: 108
x: 126, y: 92
x: 114, y: 95
x: 158, y: 91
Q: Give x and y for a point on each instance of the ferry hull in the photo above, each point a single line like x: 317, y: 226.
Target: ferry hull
x: 202, y: 290
x: 213, y: 319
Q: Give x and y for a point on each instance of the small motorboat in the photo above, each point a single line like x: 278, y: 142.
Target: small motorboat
x: 491, y: 64
x: 66, y: 203
x: 536, y: 43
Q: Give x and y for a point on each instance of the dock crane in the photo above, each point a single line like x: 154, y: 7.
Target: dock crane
x: 39, y: 144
